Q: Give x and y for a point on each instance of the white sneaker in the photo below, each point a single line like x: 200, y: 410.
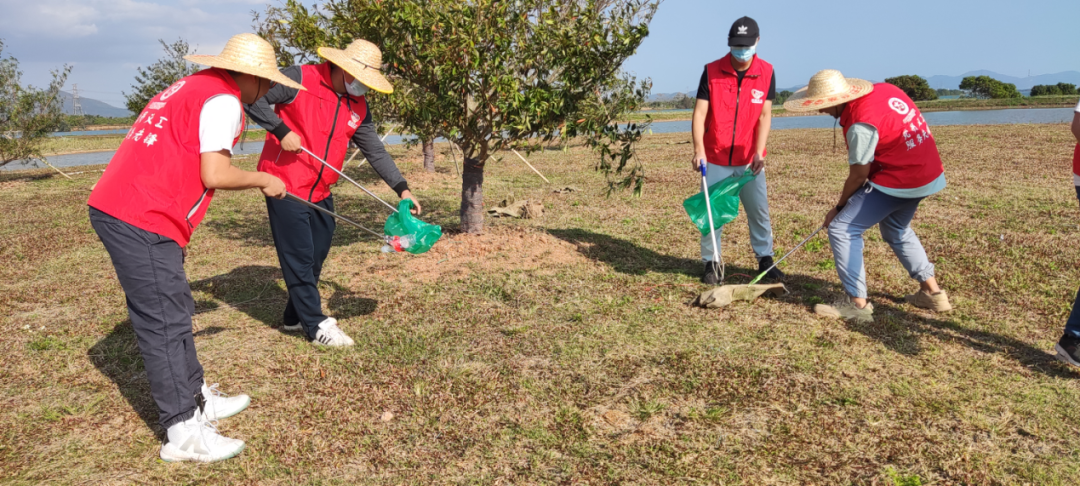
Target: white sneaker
x: 331, y: 335
x: 293, y: 328
x: 219, y: 405
x: 196, y: 439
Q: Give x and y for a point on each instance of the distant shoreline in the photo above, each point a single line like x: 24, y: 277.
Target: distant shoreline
x: 965, y: 104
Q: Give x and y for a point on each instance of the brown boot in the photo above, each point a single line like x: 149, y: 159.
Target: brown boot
x: 938, y: 302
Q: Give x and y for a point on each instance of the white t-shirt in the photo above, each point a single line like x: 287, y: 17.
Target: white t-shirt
x: 219, y: 124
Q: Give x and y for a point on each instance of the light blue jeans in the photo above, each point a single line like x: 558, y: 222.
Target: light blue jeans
x: 863, y: 210
x: 755, y: 201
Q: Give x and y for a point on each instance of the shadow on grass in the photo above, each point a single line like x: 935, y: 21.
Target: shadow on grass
x: 117, y: 357
x: 255, y: 290
x: 896, y: 324
x: 624, y: 256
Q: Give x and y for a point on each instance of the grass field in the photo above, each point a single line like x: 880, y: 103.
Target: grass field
x: 563, y: 349
x: 926, y: 106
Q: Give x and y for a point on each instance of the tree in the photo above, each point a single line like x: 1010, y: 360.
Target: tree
x: 781, y: 97
x: 160, y: 75
x: 914, y: 86
x: 1053, y: 89
x: 1045, y: 90
x: 987, y: 87
x: 496, y: 74
x: 27, y: 114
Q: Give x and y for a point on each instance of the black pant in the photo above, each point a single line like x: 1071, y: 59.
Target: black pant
x: 302, y: 236
x: 150, y: 268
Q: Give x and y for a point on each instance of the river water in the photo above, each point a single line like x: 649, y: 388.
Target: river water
x: 939, y: 118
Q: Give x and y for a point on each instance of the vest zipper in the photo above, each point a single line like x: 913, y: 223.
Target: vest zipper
x: 196, y: 208
x: 735, y: 124
x: 326, y: 154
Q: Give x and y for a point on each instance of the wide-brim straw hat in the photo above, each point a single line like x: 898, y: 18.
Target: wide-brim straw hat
x: 362, y: 60
x: 249, y: 54
x: 827, y: 88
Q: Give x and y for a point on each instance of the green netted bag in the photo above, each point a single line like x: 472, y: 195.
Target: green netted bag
x: 724, y: 196
x: 404, y: 223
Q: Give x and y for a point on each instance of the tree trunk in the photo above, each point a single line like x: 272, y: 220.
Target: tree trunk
x: 429, y: 155
x: 472, y: 196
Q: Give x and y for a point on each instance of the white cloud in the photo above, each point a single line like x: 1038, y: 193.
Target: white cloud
x: 63, y: 19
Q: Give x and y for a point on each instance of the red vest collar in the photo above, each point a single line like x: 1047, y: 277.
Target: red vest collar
x: 753, y: 71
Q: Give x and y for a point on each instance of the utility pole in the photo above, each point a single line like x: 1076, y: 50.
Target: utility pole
x: 76, y: 107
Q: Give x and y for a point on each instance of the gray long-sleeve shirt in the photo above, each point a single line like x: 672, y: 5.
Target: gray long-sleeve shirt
x: 366, y: 137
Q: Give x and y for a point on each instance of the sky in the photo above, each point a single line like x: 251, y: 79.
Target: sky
x: 106, y: 40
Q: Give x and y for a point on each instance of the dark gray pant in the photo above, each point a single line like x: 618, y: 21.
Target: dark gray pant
x: 302, y: 237
x: 150, y: 268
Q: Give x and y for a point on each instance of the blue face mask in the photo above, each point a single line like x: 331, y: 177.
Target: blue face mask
x: 744, y: 54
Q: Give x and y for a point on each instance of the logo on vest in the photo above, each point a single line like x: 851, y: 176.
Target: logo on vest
x: 742, y: 30
x: 171, y: 90
x: 355, y: 121
x: 758, y: 94
x: 899, y: 106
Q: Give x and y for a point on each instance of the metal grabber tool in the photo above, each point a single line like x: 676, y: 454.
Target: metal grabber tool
x: 800, y: 245
x: 305, y: 202
x: 342, y: 174
x: 712, y: 234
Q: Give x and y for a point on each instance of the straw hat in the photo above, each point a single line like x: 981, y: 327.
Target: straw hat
x: 827, y: 88
x: 249, y: 54
x: 363, y: 60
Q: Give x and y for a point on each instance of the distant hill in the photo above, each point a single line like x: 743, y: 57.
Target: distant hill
x: 1025, y: 83
x: 93, y: 107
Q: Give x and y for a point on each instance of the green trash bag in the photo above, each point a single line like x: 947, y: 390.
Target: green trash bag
x: 724, y: 197
x: 404, y: 223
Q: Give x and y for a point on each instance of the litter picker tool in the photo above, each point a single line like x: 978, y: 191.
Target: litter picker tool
x: 305, y: 202
x: 800, y: 245
x: 717, y: 263
x: 726, y: 294
x: 342, y: 174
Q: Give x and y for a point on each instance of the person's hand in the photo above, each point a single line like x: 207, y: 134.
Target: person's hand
x: 758, y: 164
x: 291, y: 143
x: 696, y: 163
x: 274, y: 187
x: 406, y: 194
x: 829, y: 217
x: 183, y: 252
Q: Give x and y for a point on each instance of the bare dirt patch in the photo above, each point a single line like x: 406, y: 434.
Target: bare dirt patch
x: 457, y: 255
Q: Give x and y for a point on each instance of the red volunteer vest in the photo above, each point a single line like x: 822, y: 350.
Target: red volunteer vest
x: 325, y: 123
x: 906, y: 156
x: 154, y: 180
x: 732, y: 122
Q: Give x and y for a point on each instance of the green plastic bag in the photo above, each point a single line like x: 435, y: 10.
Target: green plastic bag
x: 724, y: 197
x: 404, y: 223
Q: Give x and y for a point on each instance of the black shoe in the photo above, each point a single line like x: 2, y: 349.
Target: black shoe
x: 774, y: 275
x: 712, y: 273
x: 1068, y: 350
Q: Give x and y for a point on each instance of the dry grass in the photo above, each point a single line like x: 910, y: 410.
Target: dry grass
x: 563, y: 350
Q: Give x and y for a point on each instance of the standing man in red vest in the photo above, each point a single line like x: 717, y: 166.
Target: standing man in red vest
x: 150, y: 199
x: 731, y: 126
x: 893, y: 165
x: 1068, y: 347
x: 323, y: 119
